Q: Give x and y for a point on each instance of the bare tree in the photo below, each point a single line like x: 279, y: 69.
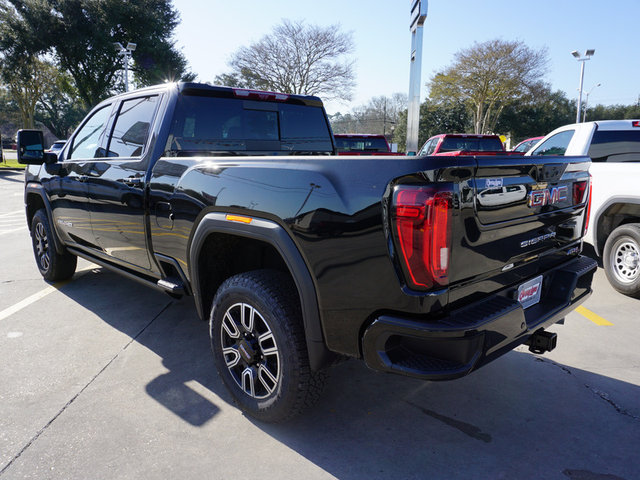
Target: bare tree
x: 379, y: 116
x: 489, y: 76
x: 298, y: 58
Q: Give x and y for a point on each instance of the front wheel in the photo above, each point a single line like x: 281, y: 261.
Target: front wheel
x: 621, y: 259
x: 53, y: 266
x: 259, y: 348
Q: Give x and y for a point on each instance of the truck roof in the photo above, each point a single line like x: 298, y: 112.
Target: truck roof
x: 195, y: 88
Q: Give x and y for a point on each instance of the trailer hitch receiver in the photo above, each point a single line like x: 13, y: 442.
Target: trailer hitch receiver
x: 542, y: 341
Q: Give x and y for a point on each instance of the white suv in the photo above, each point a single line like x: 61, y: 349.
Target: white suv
x: 614, y: 221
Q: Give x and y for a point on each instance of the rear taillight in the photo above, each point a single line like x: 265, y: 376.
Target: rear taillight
x: 579, y: 191
x: 422, y: 217
x: 586, y: 220
x: 581, y: 194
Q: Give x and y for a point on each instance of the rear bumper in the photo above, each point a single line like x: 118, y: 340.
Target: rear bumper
x: 476, y: 334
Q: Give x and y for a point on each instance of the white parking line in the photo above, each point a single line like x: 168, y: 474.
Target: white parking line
x: 14, y: 230
x: 7, y: 312
x: 15, y: 212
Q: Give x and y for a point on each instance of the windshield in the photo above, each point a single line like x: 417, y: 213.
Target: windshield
x: 452, y: 144
x: 217, y: 126
x: 361, y: 144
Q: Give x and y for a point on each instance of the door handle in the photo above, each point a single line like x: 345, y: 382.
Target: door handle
x: 132, y: 181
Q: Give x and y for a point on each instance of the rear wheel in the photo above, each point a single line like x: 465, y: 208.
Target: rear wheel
x: 259, y: 348
x: 52, y: 265
x: 621, y: 259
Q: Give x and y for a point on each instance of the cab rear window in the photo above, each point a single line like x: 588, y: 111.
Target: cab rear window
x: 615, y: 146
x: 355, y: 144
x: 209, y: 125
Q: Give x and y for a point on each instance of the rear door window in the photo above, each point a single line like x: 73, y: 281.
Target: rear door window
x: 131, y: 130
x: 615, y: 146
x: 555, y: 145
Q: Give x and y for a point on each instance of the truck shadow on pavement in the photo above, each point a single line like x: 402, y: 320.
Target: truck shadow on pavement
x: 12, y: 175
x: 523, y: 416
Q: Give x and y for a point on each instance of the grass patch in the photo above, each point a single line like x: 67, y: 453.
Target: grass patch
x: 9, y: 160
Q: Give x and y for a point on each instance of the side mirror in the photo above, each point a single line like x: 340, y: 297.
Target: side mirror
x: 30, y: 147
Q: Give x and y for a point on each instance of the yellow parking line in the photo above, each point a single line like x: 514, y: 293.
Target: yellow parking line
x: 595, y: 318
x: 7, y: 312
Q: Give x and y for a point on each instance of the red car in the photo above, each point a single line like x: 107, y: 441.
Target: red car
x: 525, y: 145
x: 452, y: 144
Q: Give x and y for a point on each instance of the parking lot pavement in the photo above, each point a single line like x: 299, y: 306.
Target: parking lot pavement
x: 103, y: 378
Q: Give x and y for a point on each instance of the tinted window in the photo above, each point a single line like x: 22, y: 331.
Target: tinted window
x: 213, y: 125
x: 555, y: 145
x: 429, y: 147
x: 452, y: 144
x: 361, y: 144
x: 425, y: 148
x: 523, y: 147
x: 615, y: 146
x: 88, y: 142
x: 131, y: 129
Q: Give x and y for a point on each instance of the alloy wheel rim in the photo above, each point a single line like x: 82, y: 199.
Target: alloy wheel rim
x: 625, y: 261
x: 42, y: 246
x: 250, y: 351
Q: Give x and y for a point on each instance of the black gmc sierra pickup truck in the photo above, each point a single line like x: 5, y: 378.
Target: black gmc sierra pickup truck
x: 423, y: 266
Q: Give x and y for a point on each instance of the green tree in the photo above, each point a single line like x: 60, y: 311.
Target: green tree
x: 489, y: 76
x: 9, y: 116
x: 80, y: 36
x: 231, y: 80
x: 59, y: 108
x: 26, y: 82
x: 613, y: 112
x: 544, y: 112
x: 298, y: 58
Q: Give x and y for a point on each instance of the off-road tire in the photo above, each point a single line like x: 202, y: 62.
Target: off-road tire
x: 621, y: 259
x: 53, y: 266
x: 259, y: 348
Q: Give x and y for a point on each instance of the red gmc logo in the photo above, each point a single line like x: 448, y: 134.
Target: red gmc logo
x: 548, y: 196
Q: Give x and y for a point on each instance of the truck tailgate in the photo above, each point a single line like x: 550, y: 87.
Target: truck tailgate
x: 520, y: 217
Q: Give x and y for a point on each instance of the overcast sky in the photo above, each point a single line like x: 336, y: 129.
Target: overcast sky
x: 212, y: 30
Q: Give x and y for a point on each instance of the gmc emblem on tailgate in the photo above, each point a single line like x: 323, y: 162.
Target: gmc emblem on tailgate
x: 548, y: 196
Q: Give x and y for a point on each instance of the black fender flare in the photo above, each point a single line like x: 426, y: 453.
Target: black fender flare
x: 37, y: 189
x: 274, y: 234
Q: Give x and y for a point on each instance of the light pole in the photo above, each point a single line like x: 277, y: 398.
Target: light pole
x: 587, y: 55
x: 586, y: 102
x: 125, y: 53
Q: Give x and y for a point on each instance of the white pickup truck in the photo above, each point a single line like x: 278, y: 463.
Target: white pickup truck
x: 614, y: 220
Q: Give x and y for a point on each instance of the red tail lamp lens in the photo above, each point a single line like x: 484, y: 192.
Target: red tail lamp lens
x: 579, y: 189
x: 423, y: 227
x: 586, y: 221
